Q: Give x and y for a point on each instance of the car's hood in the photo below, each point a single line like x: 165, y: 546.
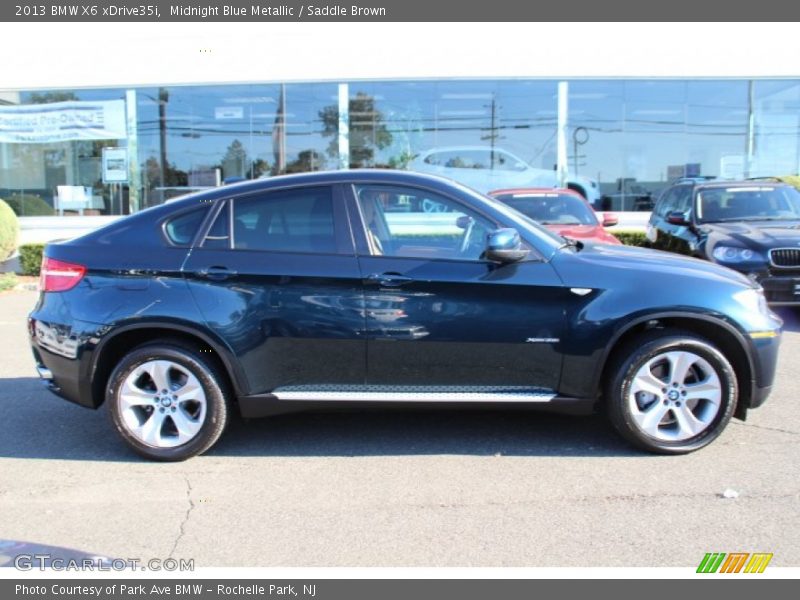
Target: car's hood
x: 583, y: 232
x: 652, y: 263
x: 758, y: 235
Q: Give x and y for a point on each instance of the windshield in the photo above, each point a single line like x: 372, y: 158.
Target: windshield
x: 748, y: 203
x: 551, y: 208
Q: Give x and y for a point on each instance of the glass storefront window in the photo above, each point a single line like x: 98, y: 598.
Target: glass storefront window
x: 775, y: 140
x: 478, y: 132
x: 638, y: 135
x: 631, y: 136
x: 51, y: 146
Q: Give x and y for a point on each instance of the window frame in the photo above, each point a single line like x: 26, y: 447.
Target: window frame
x: 167, y: 219
x: 358, y: 225
x: 343, y: 238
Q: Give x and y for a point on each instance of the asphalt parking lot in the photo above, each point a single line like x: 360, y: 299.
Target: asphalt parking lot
x: 396, y: 489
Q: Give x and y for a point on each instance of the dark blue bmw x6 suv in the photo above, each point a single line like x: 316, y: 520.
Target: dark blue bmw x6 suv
x: 345, y: 288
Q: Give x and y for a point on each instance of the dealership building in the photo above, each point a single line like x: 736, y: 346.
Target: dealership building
x: 80, y: 141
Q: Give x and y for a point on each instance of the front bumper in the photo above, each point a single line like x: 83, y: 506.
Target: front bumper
x: 781, y: 290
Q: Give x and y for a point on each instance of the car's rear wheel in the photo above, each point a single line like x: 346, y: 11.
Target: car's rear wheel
x: 167, y: 401
x: 671, y: 392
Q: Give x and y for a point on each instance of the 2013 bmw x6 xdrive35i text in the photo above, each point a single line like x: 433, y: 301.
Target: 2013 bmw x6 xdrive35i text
x: 311, y: 290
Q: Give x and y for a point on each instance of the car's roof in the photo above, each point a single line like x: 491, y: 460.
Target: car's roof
x: 452, y: 148
x: 536, y: 190
x: 319, y: 177
x: 749, y: 183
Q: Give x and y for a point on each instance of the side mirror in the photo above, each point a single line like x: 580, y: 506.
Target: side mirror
x: 505, y: 246
x: 610, y: 220
x: 676, y: 217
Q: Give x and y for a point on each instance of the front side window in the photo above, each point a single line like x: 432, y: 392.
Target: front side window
x: 414, y: 223
x: 683, y: 200
x: 507, y: 162
x: 298, y: 220
x: 667, y: 202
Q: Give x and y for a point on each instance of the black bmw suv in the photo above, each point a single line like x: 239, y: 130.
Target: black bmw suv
x: 323, y: 289
x: 750, y: 226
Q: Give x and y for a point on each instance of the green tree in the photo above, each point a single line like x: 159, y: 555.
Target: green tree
x: 258, y: 168
x: 235, y: 162
x: 368, y: 131
x: 172, y: 175
x: 307, y: 160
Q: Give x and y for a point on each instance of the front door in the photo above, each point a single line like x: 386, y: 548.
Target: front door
x: 439, y: 315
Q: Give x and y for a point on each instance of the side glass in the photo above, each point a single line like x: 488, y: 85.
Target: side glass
x: 412, y: 223
x: 218, y: 236
x: 299, y: 220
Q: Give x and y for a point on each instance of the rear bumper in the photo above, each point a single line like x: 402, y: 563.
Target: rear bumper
x: 58, y: 358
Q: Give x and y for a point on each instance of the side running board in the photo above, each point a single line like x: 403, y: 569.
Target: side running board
x: 381, y: 393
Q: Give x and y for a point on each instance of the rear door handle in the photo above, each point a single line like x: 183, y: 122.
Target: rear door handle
x: 216, y: 273
x: 389, y: 279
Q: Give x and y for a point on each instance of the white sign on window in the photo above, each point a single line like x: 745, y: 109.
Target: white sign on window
x: 63, y: 121
x: 115, y: 165
x: 229, y: 112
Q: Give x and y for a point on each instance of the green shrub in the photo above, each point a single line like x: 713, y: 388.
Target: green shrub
x: 30, y: 205
x: 30, y: 258
x: 9, y: 230
x: 7, y: 281
x: 632, y: 238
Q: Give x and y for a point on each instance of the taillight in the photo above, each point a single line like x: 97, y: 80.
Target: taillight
x: 59, y: 276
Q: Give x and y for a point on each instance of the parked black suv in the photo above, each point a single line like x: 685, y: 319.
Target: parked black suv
x: 750, y: 226
x: 305, y: 291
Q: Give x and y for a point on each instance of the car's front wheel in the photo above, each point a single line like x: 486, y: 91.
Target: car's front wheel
x: 167, y: 401
x: 671, y: 392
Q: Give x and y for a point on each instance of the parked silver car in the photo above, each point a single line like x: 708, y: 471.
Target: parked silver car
x: 485, y: 168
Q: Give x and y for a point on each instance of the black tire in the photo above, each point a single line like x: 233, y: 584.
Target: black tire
x: 211, y: 379
x: 620, y: 406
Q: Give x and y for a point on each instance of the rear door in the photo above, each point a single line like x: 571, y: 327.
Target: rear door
x: 276, y: 277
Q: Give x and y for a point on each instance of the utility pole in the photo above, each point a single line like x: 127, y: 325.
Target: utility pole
x: 163, y: 98
x: 492, y: 136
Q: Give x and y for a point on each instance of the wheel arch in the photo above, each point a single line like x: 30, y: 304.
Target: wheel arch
x: 730, y: 341
x: 114, y: 345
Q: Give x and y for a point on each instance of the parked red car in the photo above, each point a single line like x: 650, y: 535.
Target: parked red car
x: 563, y: 211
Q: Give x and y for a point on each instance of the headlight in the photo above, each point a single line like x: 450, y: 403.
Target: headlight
x: 753, y: 300
x: 732, y: 254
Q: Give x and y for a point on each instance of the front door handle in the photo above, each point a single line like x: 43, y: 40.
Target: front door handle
x: 389, y: 279
x: 216, y: 273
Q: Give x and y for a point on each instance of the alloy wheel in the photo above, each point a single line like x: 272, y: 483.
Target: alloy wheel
x: 675, y: 396
x: 162, y: 404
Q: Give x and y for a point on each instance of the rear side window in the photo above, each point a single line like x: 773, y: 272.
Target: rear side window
x: 181, y: 229
x: 298, y: 220
x: 218, y: 236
